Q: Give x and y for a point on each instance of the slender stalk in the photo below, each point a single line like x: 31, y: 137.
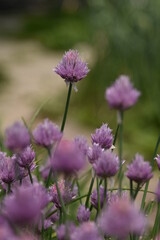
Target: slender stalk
x: 116, y: 134
x: 66, y: 107
x: 9, y: 187
x: 98, y: 197
x: 131, y: 189
x: 136, y: 192
x: 105, y: 191
x: 120, y: 150
x: 156, y: 223
x: 90, y: 190
x: 152, y: 164
x: 60, y: 196
x: 30, y: 175
x: 79, y: 192
x: 49, y: 178
x: 60, y: 216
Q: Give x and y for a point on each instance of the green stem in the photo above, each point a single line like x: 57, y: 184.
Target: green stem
x: 60, y: 196
x: 116, y: 134
x: 79, y: 193
x: 120, y: 150
x: 98, y: 196
x: 152, y: 164
x: 136, y: 192
x: 49, y: 178
x: 156, y: 223
x: 9, y: 187
x: 60, y: 216
x: 90, y: 190
x: 66, y: 107
x: 131, y: 189
x: 30, y: 175
x: 105, y: 191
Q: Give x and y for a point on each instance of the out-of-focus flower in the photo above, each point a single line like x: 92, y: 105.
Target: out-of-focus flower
x: 7, y: 168
x: 107, y: 164
x: 67, y: 193
x: 47, y: 133
x: 64, y: 231
x: 5, y: 230
x: 121, y: 218
x: 121, y: 95
x: 139, y: 170
x: 94, y: 153
x: 103, y: 136
x: 67, y: 158
x: 86, y: 231
x: 25, y: 204
x: 45, y: 169
x: 17, y: 137
x: 26, y: 157
x: 82, y: 145
x: 83, y: 214
x: 94, y: 197
x: 72, y: 68
x: 158, y: 192
x: 157, y: 158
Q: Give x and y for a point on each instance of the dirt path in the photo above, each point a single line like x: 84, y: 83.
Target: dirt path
x: 29, y: 69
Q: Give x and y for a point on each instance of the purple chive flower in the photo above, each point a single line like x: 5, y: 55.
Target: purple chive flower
x: 46, y: 134
x: 158, y: 160
x: 5, y: 230
x: 64, y: 231
x: 158, y: 192
x: 139, y: 170
x: 103, y: 136
x: 107, y: 164
x: 67, y: 158
x: 121, y: 95
x: 17, y: 137
x: 67, y: 193
x: 25, y: 204
x: 86, y: 231
x: 83, y: 214
x: 72, y: 68
x: 94, y: 153
x: 121, y: 218
x: 26, y: 157
x: 45, y: 169
x: 82, y: 145
x: 7, y: 168
x: 94, y: 197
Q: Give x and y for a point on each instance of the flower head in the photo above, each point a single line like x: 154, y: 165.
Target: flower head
x: 67, y: 193
x: 157, y: 158
x: 64, y: 231
x: 83, y: 214
x: 121, y: 95
x: 85, y: 231
x: 94, y: 197
x: 139, y: 170
x: 81, y: 143
x: 121, y: 218
x: 94, y: 152
x: 24, y: 205
x: 103, y: 136
x: 107, y: 164
x: 47, y: 133
x: 26, y: 157
x: 17, y: 137
x: 7, y: 168
x: 68, y: 158
x: 72, y: 68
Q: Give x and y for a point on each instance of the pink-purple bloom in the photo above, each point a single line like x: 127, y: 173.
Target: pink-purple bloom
x: 157, y: 158
x: 82, y: 145
x: 17, y: 137
x: 121, y: 95
x: 83, y: 214
x: 122, y: 218
x: 7, y: 168
x: 139, y: 170
x: 66, y: 190
x: 94, y: 197
x: 72, y: 68
x: 67, y: 158
x: 86, y: 231
x: 25, y: 204
x: 107, y: 164
x: 94, y: 153
x: 103, y: 136
x: 46, y: 134
x: 26, y: 157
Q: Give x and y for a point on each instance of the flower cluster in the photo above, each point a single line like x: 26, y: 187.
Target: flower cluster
x: 49, y: 195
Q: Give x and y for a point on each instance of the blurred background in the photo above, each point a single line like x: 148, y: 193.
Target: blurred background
x: 115, y: 37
